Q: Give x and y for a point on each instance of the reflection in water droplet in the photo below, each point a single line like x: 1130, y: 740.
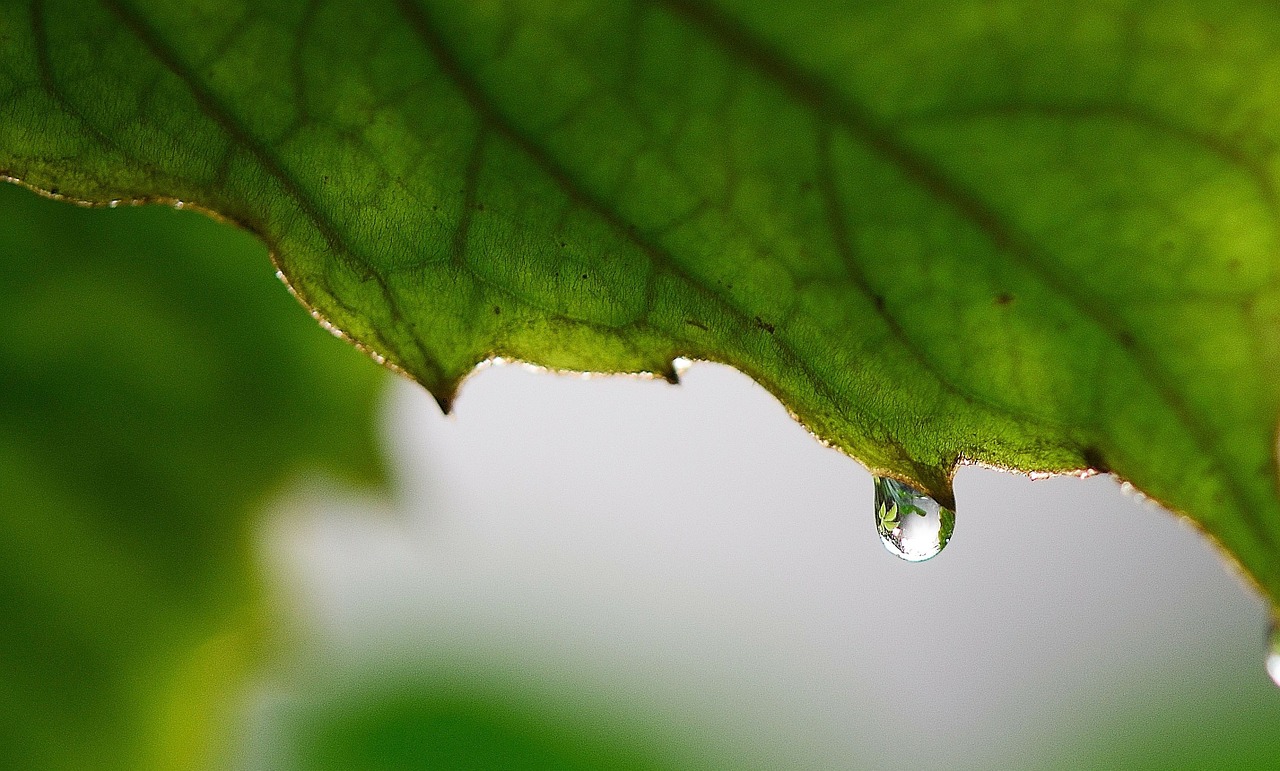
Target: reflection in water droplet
x: 1273, y: 652
x: 912, y: 525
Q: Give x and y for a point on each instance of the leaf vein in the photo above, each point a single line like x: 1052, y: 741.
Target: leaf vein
x: 824, y: 100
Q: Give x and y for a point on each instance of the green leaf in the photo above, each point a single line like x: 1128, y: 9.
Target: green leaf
x: 1227, y: 725
x: 156, y: 383
x: 482, y: 715
x: 1036, y: 237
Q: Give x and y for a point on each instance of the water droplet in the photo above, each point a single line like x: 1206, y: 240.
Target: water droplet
x: 1273, y: 652
x: 912, y: 525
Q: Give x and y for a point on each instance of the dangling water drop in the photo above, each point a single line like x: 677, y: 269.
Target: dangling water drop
x: 1273, y: 652
x: 912, y: 525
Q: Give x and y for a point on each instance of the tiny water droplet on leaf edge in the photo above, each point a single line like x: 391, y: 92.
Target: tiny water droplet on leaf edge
x: 911, y: 525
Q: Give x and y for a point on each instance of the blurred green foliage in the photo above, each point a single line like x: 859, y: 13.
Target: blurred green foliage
x: 156, y: 382
x: 1224, y: 724
x: 486, y: 715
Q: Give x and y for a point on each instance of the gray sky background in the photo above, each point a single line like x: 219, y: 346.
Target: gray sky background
x: 694, y: 545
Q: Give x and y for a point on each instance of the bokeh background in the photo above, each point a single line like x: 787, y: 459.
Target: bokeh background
x: 229, y: 540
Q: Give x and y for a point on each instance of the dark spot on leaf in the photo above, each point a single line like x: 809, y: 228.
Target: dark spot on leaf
x: 1094, y: 459
x: 445, y: 402
x: 879, y: 302
x: 497, y: 311
x: 1004, y: 298
x: 1125, y: 338
x: 698, y: 324
x: 479, y: 207
x: 584, y: 275
x: 762, y: 324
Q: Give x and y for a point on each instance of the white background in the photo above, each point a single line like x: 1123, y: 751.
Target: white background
x: 694, y: 547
